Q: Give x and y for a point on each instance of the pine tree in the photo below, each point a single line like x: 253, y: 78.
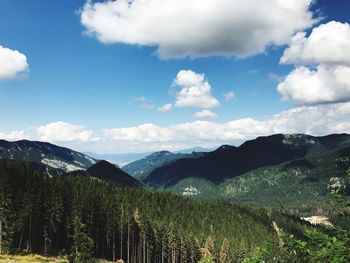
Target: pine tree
x: 81, y: 251
x: 5, y: 231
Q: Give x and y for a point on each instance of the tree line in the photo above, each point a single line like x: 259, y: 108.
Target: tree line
x: 88, y: 218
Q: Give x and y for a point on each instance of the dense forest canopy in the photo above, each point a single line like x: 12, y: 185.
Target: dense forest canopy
x: 85, y: 216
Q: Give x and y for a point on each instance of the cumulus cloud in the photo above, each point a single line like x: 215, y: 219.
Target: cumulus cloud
x: 195, y: 91
x: 205, y: 114
x: 322, y: 74
x: 316, y: 120
x: 64, y: 132
x: 14, y: 135
x: 328, y: 44
x: 165, y: 107
x: 322, y: 85
x: 180, y: 28
x: 229, y: 95
x: 12, y: 62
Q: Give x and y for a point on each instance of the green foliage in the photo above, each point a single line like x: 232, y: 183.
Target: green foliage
x: 82, y: 247
x: 264, y: 254
x: 89, y: 217
x: 207, y: 259
x: 94, y: 219
x: 302, y: 186
x: 319, y: 247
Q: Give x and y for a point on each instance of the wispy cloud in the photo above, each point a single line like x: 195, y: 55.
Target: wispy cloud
x: 142, y: 103
x: 165, y: 107
x: 205, y: 114
x: 229, y: 96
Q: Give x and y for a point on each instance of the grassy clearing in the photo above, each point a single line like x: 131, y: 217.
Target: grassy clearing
x: 31, y: 258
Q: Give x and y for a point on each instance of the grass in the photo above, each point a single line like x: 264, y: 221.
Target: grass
x: 30, y: 258
x: 34, y: 258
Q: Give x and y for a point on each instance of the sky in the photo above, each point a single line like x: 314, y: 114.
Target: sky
x: 146, y: 75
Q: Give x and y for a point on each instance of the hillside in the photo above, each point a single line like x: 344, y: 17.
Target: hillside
x: 54, y: 156
x: 135, y: 224
x: 109, y: 172
x: 229, y: 161
x: 140, y: 169
x: 302, y: 186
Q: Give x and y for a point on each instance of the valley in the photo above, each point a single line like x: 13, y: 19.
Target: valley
x: 228, y: 203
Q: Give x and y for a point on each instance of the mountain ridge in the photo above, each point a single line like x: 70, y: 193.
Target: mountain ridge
x: 230, y: 161
x: 108, y: 172
x: 52, y: 155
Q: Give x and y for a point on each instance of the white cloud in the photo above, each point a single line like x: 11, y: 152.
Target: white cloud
x: 180, y: 28
x: 322, y: 85
x: 316, y: 120
x: 165, y: 107
x: 14, y: 135
x: 195, y: 91
x: 64, y: 132
x: 12, y: 63
x: 205, y: 114
x: 229, y: 95
x: 328, y: 44
x: 142, y: 103
x: 327, y: 47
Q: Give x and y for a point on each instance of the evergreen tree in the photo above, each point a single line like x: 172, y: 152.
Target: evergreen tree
x: 82, y: 247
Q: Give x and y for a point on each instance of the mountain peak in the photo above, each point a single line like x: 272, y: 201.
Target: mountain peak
x: 159, y: 154
x: 46, y: 153
x: 106, y: 171
x: 226, y: 147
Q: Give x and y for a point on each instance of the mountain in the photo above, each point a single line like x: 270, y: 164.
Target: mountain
x: 303, y: 186
x: 121, y: 159
x: 230, y: 161
x: 53, y: 156
x: 140, y: 169
x: 104, y: 220
x: 195, y: 149
x: 109, y: 172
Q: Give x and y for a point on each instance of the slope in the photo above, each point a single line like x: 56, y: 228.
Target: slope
x: 303, y: 186
x: 140, y: 169
x: 229, y: 161
x: 109, y: 172
x: 49, y: 154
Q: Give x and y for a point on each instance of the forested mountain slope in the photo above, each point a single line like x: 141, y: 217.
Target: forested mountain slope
x: 85, y: 216
x: 229, y: 161
x: 303, y: 185
x: 109, y: 172
x: 140, y: 169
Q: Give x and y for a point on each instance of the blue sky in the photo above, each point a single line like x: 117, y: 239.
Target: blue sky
x: 90, y: 88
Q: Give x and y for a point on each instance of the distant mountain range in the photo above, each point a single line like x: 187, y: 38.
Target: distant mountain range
x: 123, y: 159
x: 50, y: 159
x: 140, y: 169
x: 48, y: 154
x: 229, y: 161
x: 295, y: 170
